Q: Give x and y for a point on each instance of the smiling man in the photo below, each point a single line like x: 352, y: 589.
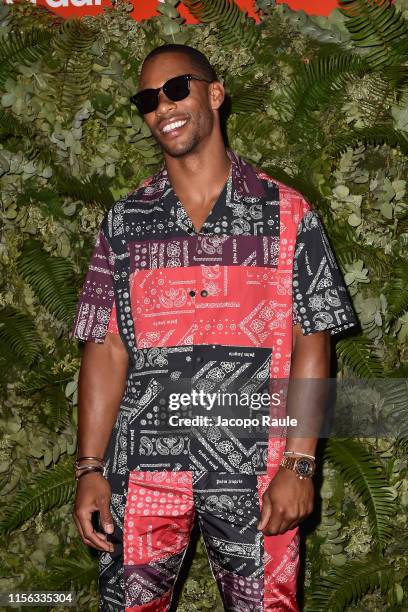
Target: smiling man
x: 212, y: 276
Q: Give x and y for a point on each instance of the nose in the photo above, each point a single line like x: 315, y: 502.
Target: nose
x: 164, y: 104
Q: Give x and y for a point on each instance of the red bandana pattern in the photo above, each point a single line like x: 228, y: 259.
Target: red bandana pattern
x: 209, y: 311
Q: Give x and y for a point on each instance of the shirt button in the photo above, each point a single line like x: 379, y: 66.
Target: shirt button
x: 199, y: 359
x: 192, y: 293
x: 204, y: 293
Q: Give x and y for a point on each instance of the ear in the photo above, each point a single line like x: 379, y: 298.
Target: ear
x: 216, y: 94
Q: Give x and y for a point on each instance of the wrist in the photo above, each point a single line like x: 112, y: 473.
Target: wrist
x: 293, y: 453
x: 89, y: 473
x: 88, y: 467
x: 304, y: 467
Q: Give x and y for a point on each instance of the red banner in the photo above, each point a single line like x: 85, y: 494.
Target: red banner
x: 144, y: 9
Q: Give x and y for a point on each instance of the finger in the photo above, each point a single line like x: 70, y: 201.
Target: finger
x: 81, y: 532
x: 292, y: 525
x: 273, y: 527
x: 275, y: 522
x: 301, y: 517
x: 293, y: 519
x: 95, y: 538
x: 289, y: 522
x: 105, y: 516
x: 265, y: 514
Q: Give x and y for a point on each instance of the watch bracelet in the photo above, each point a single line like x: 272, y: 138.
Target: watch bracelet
x: 297, y: 454
x: 289, y: 463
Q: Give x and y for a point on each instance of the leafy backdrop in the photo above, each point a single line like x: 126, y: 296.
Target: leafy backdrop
x: 320, y: 103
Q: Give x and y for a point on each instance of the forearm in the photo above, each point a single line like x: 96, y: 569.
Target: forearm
x: 308, y: 390
x: 102, y: 381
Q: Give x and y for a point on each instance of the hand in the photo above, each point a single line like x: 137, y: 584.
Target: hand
x: 286, y: 502
x: 93, y: 493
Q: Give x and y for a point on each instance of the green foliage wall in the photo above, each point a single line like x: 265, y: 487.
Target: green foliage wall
x: 319, y: 103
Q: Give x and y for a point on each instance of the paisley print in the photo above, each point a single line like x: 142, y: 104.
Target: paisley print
x: 211, y: 311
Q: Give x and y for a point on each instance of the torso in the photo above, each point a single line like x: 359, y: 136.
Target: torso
x: 209, y: 308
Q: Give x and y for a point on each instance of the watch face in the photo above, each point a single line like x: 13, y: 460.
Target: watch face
x: 304, y: 467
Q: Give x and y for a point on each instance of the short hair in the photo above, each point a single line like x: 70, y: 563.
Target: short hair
x: 198, y: 60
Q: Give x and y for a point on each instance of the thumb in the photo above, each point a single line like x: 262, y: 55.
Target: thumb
x: 265, y: 514
x: 106, y: 518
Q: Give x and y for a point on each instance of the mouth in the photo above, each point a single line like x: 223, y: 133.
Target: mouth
x: 173, y: 128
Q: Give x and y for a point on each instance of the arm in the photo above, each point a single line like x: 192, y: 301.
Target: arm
x: 306, y: 400
x: 288, y: 500
x: 102, y: 380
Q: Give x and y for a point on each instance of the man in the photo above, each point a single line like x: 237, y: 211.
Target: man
x: 190, y: 287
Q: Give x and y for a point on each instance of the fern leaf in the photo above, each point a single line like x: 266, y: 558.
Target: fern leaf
x: 319, y: 80
x: 47, y: 390
x: 348, y: 584
x: 49, y: 278
x: 73, y: 81
x: 348, y: 249
x: 379, y: 95
x: 374, y: 136
x: 395, y: 394
x: 248, y: 99
x: 365, y: 474
x: 19, y: 336
x: 48, y: 489
x: 357, y: 354
x: 396, y: 291
x: 74, y: 37
x: 378, y: 27
x: 22, y: 49
x: 42, y: 378
x: 93, y: 190
x: 234, y: 25
x: 75, y: 572
x: 27, y: 138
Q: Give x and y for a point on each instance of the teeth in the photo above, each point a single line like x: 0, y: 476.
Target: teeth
x: 172, y: 126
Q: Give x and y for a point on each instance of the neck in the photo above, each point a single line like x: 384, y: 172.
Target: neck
x: 199, y: 175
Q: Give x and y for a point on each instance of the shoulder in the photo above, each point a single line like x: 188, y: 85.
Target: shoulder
x: 145, y: 195
x: 293, y: 204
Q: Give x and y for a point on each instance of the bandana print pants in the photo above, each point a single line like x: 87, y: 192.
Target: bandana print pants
x: 154, y: 517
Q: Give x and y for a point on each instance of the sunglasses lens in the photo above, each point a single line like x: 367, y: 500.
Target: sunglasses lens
x: 177, y: 89
x: 146, y: 101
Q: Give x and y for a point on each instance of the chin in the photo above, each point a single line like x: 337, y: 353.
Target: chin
x: 183, y: 145
x: 178, y: 149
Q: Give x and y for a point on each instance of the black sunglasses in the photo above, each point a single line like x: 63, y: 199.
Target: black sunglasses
x: 175, y: 89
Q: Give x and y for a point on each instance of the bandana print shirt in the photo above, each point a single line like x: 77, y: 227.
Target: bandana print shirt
x: 215, y: 308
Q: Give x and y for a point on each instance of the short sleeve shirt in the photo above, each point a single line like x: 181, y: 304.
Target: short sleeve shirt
x: 319, y: 296
x: 215, y: 308
x: 320, y: 300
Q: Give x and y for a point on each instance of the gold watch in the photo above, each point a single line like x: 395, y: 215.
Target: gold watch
x: 304, y: 467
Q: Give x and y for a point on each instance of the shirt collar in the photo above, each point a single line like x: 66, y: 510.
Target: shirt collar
x: 245, y: 181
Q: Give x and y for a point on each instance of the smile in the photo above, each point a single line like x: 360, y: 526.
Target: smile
x: 171, y: 127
